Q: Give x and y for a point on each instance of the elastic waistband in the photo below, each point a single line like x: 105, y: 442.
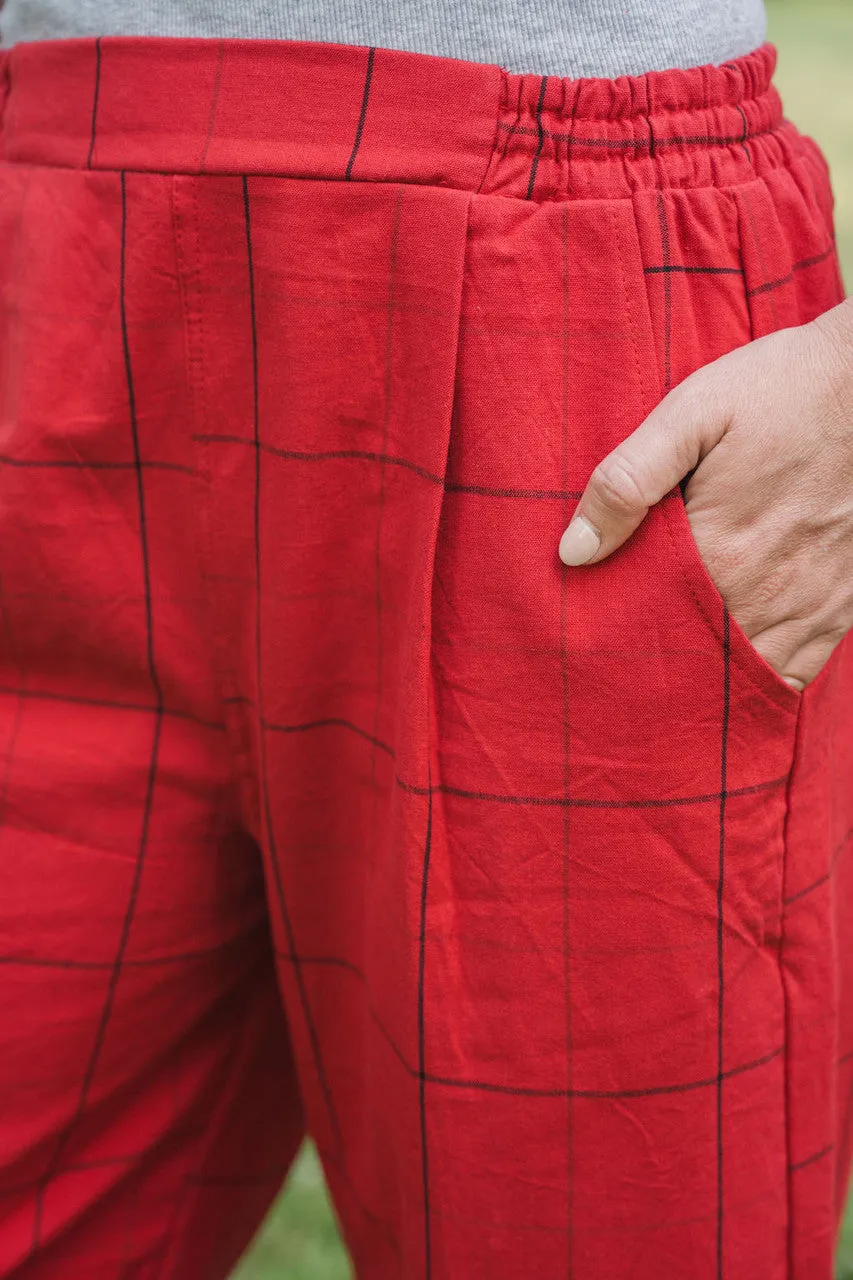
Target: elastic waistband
x: 346, y: 112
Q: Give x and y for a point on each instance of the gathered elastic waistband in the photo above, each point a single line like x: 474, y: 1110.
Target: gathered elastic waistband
x: 343, y: 112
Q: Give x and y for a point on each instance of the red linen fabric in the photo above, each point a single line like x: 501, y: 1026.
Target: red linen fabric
x: 308, y: 737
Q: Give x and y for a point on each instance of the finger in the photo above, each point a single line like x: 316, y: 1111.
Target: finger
x: 643, y: 468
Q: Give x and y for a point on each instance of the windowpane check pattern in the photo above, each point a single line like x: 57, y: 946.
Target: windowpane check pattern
x: 329, y: 798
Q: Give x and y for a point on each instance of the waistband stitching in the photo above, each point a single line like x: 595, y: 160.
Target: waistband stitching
x: 703, y: 140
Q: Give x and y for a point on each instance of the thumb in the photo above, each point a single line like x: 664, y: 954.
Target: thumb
x: 642, y: 469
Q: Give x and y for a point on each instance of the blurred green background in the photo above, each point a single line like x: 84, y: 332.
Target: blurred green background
x: 815, y: 75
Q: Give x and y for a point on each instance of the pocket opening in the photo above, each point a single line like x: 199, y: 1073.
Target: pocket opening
x: 751, y: 664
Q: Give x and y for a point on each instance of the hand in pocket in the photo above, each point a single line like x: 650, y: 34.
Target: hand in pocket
x: 767, y: 433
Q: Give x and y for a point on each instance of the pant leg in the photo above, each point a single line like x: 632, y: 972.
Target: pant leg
x: 148, y: 1111
x: 529, y: 833
x: 556, y: 863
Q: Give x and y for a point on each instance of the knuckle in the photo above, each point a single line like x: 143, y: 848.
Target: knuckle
x: 618, y: 488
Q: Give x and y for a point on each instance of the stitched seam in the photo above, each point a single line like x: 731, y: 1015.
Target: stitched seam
x: 786, y: 999
x: 189, y: 276
x: 617, y: 240
x: 708, y: 140
x: 554, y: 198
x: 494, y: 152
x: 735, y: 657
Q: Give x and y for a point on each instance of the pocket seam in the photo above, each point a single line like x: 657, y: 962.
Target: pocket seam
x: 777, y: 695
x: 770, y: 691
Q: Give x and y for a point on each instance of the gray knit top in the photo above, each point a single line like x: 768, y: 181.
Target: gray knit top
x: 545, y: 37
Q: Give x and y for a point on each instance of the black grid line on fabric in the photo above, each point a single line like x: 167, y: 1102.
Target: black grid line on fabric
x: 140, y: 962
x: 84, y: 1166
x: 196, y: 1180
x: 521, y: 1091
x: 338, y: 1154
x: 288, y: 593
x: 666, y: 268
x: 76, y: 464
x: 581, y: 802
x: 844, y: 843
x: 390, y: 459
x: 336, y: 722
x: 80, y: 836
x: 112, y: 704
x: 667, y: 293
x: 676, y: 268
x: 758, y: 242
x: 95, y: 96
x: 337, y: 963
x: 770, y: 285
x: 137, y: 1157
x: 813, y: 1159
x: 470, y: 1220
x: 540, y: 133
x: 378, y: 600
x: 362, y: 115
x: 467, y: 324
x: 567, y: 845
x: 214, y: 105
x: 264, y: 781
x: 298, y: 455
x: 373, y: 739
x: 683, y: 140
x: 118, y: 964
x: 745, y: 134
x: 721, y: 1075
x: 578, y: 802
x: 651, y: 1092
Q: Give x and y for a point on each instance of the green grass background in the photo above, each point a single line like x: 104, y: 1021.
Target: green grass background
x: 300, y: 1240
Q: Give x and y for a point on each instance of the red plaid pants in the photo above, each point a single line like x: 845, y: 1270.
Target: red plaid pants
x: 323, y: 782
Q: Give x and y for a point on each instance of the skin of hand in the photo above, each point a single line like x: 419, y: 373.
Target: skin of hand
x: 767, y: 432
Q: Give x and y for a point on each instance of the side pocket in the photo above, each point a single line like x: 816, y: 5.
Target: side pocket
x: 705, y: 599
x: 709, y: 601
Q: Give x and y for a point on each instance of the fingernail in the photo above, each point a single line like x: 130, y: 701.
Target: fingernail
x: 579, y: 543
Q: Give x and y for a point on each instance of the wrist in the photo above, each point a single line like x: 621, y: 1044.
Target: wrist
x: 846, y: 312
x: 836, y: 326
